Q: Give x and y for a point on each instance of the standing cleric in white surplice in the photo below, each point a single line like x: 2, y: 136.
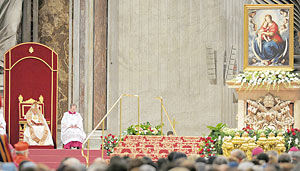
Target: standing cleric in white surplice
x: 72, y: 133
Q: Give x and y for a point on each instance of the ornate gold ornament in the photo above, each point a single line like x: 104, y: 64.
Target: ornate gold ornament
x: 247, y: 144
x: 31, y: 49
x: 269, y: 111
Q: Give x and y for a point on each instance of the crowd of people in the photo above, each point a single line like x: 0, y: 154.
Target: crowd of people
x: 176, y: 161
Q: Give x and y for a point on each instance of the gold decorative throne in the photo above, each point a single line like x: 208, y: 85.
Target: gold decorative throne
x: 24, y: 106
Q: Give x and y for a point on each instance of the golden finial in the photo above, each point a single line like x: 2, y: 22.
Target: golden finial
x: 20, y: 98
x: 31, y: 49
x: 41, y: 98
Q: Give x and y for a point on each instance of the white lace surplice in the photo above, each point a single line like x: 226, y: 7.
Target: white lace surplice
x: 39, y: 132
x: 72, y: 134
x: 2, y: 123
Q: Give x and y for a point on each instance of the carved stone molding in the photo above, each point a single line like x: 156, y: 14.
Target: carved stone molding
x: 269, y: 111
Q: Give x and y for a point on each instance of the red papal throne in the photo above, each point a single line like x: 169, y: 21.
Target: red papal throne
x: 30, y: 75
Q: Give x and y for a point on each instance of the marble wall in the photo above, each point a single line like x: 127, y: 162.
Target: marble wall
x: 158, y: 48
x: 100, y: 20
x: 54, y: 32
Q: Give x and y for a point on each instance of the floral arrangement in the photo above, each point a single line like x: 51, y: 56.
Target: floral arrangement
x: 207, y: 148
x: 217, y: 134
x: 110, y: 142
x: 256, y: 79
x: 292, y: 137
x: 144, y: 129
x: 230, y: 132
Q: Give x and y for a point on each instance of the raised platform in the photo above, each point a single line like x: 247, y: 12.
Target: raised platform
x: 53, y: 157
x: 156, y: 147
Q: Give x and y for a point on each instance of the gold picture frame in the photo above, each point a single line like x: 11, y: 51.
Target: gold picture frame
x: 268, y: 37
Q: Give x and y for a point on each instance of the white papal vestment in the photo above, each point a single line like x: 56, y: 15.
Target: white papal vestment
x: 37, y: 131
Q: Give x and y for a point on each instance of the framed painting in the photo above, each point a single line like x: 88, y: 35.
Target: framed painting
x: 268, y: 37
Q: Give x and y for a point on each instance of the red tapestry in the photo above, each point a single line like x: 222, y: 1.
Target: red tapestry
x: 30, y: 70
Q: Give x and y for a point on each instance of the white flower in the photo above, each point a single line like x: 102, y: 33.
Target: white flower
x: 259, y: 80
x: 155, y: 131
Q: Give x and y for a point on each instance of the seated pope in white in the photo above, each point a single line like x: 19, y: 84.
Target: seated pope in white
x: 72, y: 133
x: 36, y: 130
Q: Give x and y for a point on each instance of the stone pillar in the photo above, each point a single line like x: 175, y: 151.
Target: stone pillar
x: 89, y: 74
x: 113, y: 64
x: 241, y: 114
x: 81, y: 64
x: 297, y: 113
x: 100, y: 33
x: 76, y: 50
x: 54, y: 32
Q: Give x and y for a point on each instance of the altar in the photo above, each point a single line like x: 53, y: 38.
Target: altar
x: 285, y: 99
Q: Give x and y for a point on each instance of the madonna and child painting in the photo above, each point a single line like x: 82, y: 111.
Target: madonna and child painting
x: 268, y: 37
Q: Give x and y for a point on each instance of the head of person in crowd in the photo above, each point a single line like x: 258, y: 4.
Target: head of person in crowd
x: 171, y: 156
x: 284, y: 158
x: 179, y: 155
x: 256, y: 151
x: 201, y: 160
x: 170, y: 133
x: 190, y: 165
x: 211, y: 159
x: 27, y: 166
x: 161, y: 163
x: 263, y: 158
x: 233, y: 162
x: 220, y: 160
x: 296, y: 157
x: 21, y: 148
x: 135, y: 164
x: 245, y: 166
x: 294, y: 152
x: 117, y: 167
x: 71, y: 163
x: 273, y: 156
x: 193, y: 157
x: 238, y: 154
x: 147, y: 167
x: 99, y: 164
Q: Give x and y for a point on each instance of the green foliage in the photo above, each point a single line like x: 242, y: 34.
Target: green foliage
x: 217, y: 134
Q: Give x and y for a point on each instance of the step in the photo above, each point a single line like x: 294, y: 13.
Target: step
x: 61, y: 151
x: 53, y: 157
